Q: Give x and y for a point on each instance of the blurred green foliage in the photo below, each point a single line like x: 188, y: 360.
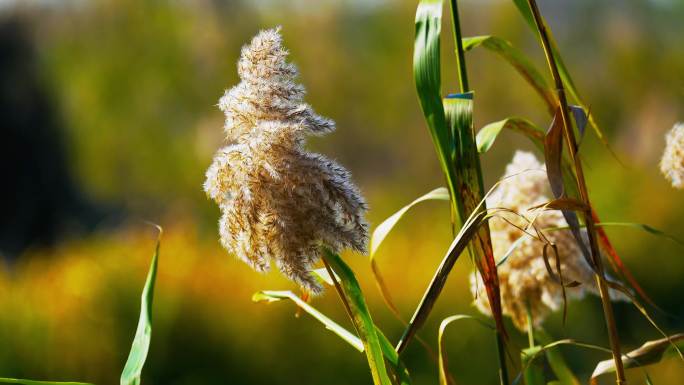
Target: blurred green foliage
x: 137, y: 83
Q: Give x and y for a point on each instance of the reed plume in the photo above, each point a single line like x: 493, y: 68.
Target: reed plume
x: 280, y: 202
x: 672, y: 162
x: 524, y: 278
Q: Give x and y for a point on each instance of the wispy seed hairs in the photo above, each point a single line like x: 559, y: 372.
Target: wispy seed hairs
x: 278, y: 201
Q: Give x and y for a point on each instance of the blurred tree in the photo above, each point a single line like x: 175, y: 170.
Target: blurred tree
x: 39, y: 200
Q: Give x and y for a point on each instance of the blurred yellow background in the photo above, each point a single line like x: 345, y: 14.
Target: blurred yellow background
x: 131, y: 88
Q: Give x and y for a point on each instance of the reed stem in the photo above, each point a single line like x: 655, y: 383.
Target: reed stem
x: 460, y: 54
x: 584, y: 195
x: 530, y: 327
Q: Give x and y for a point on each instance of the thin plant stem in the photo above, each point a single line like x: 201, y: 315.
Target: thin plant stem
x: 530, y: 326
x: 501, y: 352
x: 460, y: 54
x: 584, y: 195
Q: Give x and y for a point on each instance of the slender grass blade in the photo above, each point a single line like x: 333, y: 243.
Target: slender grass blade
x: 272, y: 296
x: 487, y: 135
x: 470, y: 187
x: 361, y: 317
x: 556, y: 360
x: 443, y: 362
x: 519, y: 61
x: 143, y: 335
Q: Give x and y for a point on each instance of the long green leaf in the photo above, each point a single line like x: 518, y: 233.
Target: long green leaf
x: 361, y: 317
x: 470, y: 187
x: 387, y: 348
x: 458, y: 245
x: 34, y: 382
x: 649, y: 353
x: 381, y: 232
x: 272, y: 295
x: 557, y: 361
x: 488, y: 134
x: 427, y: 76
x: 519, y: 61
x: 639, y: 226
x: 534, y: 371
x: 400, y: 370
x: 388, y: 224
x: 534, y: 352
x: 143, y: 335
x: 443, y: 366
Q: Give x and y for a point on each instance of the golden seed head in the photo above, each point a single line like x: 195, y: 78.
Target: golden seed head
x: 672, y: 163
x: 523, y: 277
x: 280, y: 202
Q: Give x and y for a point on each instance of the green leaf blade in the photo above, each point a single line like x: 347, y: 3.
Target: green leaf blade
x: 361, y: 317
x: 487, y: 135
x: 273, y: 295
x: 557, y: 361
x: 443, y: 366
x: 519, y: 61
x: 427, y: 77
x: 143, y: 335
x: 383, y: 229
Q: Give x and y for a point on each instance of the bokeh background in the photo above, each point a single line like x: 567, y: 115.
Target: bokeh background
x: 109, y: 119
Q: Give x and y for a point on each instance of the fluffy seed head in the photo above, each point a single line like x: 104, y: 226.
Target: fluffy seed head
x: 268, y: 91
x: 523, y: 277
x: 672, y: 163
x: 278, y: 201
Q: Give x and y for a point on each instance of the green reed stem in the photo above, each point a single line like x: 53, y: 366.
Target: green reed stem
x: 460, y: 53
x: 530, y: 327
x: 584, y: 195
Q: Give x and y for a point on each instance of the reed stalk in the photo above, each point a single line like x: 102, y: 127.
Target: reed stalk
x: 584, y: 195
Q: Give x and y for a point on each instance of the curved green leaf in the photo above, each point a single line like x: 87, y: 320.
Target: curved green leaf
x: 434, y: 289
x: 381, y: 231
x: 488, y: 134
x: 639, y: 226
x: 443, y: 366
x: 649, y: 353
x: 272, y: 296
x: 533, y: 353
x: 519, y: 61
x: 143, y: 335
x: 400, y: 370
x: 360, y: 317
x: 427, y: 75
x: 470, y: 186
x: 557, y: 361
x: 387, y: 348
